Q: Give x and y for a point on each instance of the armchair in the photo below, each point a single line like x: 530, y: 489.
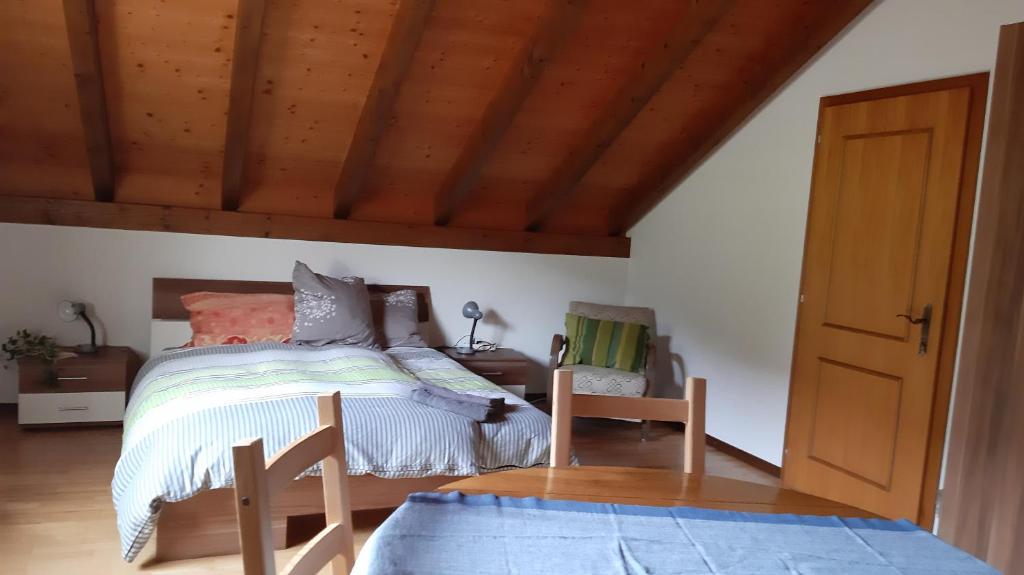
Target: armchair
x: 588, y: 379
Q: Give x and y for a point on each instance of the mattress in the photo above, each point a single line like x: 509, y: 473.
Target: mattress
x: 188, y: 408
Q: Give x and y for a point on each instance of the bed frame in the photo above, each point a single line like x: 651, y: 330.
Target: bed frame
x: 206, y: 524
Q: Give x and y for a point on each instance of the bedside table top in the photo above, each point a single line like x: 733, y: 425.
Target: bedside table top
x: 503, y: 354
x: 104, y: 354
x: 110, y: 369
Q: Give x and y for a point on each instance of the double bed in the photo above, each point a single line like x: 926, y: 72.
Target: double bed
x: 188, y: 406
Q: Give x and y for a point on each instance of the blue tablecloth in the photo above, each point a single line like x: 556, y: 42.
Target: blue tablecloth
x: 452, y: 533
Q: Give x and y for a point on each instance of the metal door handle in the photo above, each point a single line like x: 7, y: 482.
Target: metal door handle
x: 925, y: 321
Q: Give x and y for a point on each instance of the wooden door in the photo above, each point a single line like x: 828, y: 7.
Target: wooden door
x: 886, y: 238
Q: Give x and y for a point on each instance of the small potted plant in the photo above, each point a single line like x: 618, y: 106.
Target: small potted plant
x: 25, y: 344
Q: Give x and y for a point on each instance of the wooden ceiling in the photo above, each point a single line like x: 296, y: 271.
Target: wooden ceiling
x: 524, y: 125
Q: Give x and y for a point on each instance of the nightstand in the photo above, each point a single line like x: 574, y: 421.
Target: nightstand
x: 88, y: 389
x: 505, y: 367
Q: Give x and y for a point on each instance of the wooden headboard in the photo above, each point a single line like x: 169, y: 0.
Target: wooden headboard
x: 167, y: 294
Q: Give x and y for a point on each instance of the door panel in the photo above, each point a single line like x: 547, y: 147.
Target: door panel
x: 871, y: 269
x: 856, y: 416
x: 883, y: 211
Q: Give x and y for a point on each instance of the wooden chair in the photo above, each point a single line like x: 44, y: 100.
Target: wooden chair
x: 605, y: 380
x: 689, y: 411
x: 257, y: 481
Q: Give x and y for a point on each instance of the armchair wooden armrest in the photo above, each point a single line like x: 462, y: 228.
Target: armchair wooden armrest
x: 557, y: 343
x: 649, y: 369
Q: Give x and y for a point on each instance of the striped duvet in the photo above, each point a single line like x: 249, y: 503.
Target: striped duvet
x: 187, y: 408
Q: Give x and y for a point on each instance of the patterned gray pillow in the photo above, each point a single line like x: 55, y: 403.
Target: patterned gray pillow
x: 396, y: 315
x: 330, y: 310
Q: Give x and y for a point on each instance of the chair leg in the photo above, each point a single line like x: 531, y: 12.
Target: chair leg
x: 645, y: 425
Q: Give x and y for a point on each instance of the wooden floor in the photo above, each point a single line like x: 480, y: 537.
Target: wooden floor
x: 56, y: 514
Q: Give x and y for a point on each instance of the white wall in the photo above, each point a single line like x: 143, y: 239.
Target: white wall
x: 112, y: 270
x: 720, y: 258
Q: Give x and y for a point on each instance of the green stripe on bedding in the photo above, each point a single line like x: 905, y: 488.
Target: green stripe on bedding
x: 455, y: 379
x: 605, y: 343
x: 198, y: 381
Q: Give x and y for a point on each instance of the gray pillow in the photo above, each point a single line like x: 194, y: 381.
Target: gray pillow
x: 330, y: 310
x: 396, y: 315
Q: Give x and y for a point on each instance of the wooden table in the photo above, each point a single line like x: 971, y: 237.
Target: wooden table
x: 658, y: 487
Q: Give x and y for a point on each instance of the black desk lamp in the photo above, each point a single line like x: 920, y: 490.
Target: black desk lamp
x: 472, y: 311
x: 70, y: 311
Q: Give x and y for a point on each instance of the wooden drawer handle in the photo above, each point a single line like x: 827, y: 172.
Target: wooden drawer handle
x: 492, y: 373
x: 75, y: 378
x: 82, y: 408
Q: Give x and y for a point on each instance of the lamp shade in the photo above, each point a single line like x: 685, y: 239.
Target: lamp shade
x: 74, y: 310
x: 70, y: 311
x: 472, y: 310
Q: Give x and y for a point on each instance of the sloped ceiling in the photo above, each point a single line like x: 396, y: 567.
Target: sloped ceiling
x: 525, y: 125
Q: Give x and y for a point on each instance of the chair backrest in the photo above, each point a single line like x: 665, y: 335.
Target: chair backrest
x: 256, y: 482
x: 624, y: 313
x: 689, y: 411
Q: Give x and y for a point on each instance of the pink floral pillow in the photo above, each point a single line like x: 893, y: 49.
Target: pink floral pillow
x: 235, y: 318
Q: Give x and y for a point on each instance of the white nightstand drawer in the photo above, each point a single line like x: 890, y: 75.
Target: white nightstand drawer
x: 34, y: 408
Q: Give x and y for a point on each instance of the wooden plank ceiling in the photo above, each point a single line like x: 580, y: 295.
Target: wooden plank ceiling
x: 524, y: 125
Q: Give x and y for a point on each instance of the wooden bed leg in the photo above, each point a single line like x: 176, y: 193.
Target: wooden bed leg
x: 208, y: 538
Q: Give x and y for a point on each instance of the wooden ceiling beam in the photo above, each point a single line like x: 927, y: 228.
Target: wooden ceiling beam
x: 80, y: 19
x: 699, y: 18
x: 406, y: 30
x: 635, y: 204
x: 555, y: 24
x: 121, y: 216
x: 244, y: 66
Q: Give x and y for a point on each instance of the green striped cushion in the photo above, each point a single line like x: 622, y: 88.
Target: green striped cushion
x: 605, y: 343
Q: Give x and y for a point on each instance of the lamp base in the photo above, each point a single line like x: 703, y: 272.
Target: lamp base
x: 86, y: 348
x: 465, y: 350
